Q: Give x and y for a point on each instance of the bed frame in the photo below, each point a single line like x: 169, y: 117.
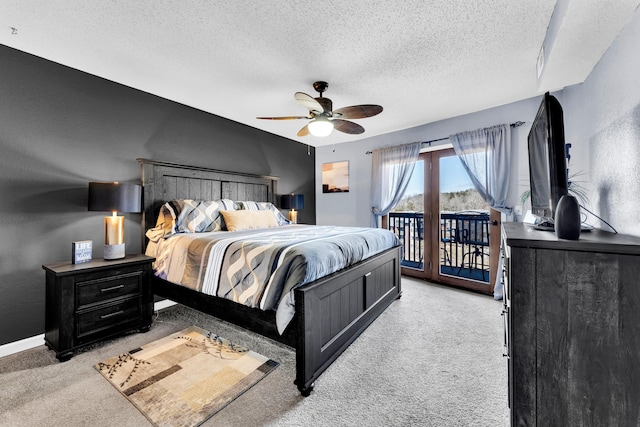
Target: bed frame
x: 331, y: 312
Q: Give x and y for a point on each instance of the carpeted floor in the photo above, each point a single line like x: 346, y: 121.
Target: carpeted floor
x: 434, y: 358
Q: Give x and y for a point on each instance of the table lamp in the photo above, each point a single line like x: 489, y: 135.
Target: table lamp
x: 114, y: 197
x: 292, y: 201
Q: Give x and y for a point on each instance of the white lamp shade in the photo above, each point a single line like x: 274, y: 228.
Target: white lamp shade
x: 320, y: 127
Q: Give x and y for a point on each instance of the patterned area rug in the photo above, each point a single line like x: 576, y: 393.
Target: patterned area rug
x: 185, y: 378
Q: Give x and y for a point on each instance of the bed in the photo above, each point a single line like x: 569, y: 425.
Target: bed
x: 329, y: 312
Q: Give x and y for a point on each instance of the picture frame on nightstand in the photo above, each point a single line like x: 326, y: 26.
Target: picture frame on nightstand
x: 81, y: 251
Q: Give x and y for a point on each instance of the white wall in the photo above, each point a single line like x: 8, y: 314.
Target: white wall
x: 354, y: 208
x: 602, y: 121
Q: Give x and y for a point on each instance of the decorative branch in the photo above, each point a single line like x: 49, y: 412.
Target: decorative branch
x: 214, y: 345
x: 122, y: 359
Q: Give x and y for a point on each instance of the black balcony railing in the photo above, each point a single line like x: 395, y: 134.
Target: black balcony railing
x: 409, y: 227
x: 464, y: 242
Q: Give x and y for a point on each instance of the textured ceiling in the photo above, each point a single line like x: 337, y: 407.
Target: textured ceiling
x: 422, y: 60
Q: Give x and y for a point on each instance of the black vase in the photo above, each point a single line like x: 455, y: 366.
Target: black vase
x: 567, y: 219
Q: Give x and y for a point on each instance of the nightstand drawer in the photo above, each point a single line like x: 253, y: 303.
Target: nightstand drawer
x: 107, y: 316
x: 96, y: 291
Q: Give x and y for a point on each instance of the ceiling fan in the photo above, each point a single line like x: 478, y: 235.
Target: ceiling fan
x: 324, y: 119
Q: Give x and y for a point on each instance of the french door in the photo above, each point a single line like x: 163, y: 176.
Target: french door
x: 449, y: 234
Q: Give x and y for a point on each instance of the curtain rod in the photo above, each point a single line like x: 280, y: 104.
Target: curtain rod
x: 513, y: 125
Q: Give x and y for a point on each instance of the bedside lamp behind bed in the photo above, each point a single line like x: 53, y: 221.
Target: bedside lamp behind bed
x: 292, y: 201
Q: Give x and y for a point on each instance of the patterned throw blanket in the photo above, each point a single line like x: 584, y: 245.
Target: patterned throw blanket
x: 260, y: 268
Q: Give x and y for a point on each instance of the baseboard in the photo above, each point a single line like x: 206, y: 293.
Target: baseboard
x: 165, y: 303
x: 32, y: 342
x: 24, y: 344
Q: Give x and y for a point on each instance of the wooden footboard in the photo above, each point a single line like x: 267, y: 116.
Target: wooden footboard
x: 333, y: 311
x: 330, y: 312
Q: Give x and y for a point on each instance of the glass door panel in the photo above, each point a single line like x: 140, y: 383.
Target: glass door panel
x: 444, y: 225
x: 464, y: 221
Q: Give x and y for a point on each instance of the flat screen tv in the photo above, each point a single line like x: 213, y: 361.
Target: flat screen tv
x: 547, y: 162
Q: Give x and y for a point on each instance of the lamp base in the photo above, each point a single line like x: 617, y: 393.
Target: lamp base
x: 114, y: 251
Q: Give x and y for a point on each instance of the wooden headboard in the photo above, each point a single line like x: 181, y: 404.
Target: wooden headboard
x: 164, y: 181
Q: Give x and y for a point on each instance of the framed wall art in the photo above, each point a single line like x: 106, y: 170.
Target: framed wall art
x: 335, y: 177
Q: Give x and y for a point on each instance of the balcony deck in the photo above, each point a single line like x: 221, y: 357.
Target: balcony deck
x: 464, y: 242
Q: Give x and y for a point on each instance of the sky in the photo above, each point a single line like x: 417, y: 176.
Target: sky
x: 453, y: 177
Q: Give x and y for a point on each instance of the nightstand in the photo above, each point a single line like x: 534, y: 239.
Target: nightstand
x: 92, y: 301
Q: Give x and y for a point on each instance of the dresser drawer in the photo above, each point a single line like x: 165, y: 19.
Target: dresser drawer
x: 99, y: 290
x: 108, y: 316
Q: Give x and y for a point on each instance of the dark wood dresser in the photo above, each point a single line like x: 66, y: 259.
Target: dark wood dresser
x: 572, y: 329
x: 89, y: 302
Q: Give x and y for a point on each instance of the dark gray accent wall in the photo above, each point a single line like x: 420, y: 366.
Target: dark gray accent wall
x: 61, y: 128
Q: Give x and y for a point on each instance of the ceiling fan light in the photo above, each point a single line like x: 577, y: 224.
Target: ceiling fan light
x: 320, y: 127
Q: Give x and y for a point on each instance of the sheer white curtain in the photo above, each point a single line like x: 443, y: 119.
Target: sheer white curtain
x: 486, y: 156
x: 390, y: 174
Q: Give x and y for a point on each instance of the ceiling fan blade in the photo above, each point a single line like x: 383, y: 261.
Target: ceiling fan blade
x: 308, y: 102
x: 357, y: 111
x: 284, y: 118
x: 304, y: 131
x: 347, y: 126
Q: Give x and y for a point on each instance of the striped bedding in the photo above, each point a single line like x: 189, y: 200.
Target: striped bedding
x: 260, y: 268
